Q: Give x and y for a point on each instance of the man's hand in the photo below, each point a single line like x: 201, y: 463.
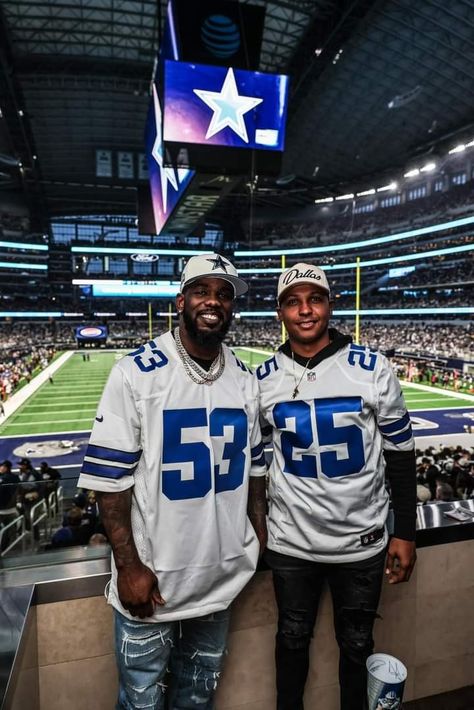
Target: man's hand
x: 401, y: 558
x: 138, y: 590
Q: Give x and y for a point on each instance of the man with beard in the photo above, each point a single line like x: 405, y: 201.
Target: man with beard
x: 339, y: 425
x: 177, y: 460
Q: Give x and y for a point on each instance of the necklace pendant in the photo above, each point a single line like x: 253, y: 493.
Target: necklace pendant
x: 295, y: 393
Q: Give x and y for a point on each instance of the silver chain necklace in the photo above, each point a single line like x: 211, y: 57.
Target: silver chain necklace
x: 297, y: 384
x: 197, y: 373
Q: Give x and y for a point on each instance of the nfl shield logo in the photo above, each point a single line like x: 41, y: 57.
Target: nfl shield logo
x: 311, y: 377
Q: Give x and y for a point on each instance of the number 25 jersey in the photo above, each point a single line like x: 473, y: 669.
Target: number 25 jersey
x: 328, y: 500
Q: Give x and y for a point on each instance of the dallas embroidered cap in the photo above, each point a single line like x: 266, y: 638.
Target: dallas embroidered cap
x: 302, y: 273
x: 213, y: 266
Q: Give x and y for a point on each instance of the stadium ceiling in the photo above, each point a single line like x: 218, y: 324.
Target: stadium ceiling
x: 375, y: 84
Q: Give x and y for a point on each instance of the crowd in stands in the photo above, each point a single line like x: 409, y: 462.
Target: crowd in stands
x: 27, y: 348
x: 340, y: 219
x: 18, y: 364
x: 440, y: 340
x: 393, y: 299
x: 445, y: 474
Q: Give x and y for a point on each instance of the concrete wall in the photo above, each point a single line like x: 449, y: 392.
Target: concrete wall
x: 428, y: 623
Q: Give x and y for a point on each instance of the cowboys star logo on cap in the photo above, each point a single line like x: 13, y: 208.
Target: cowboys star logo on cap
x: 199, y: 267
x: 219, y: 263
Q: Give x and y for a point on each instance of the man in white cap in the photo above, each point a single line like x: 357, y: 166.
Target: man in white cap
x: 339, y: 425
x: 177, y: 459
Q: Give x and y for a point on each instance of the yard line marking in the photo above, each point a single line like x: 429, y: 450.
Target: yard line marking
x: 54, y: 421
x: 29, y: 415
x: 431, y: 399
x: 255, y: 350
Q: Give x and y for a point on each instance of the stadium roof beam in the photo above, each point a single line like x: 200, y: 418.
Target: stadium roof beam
x: 16, y: 131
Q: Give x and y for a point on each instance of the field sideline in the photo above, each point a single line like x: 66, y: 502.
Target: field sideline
x: 69, y: 403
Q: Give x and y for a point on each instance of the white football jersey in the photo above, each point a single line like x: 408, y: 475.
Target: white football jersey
x: 187, y: 450
x: 328, y: 500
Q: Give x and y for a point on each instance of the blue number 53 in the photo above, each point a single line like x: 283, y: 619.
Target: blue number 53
x: 328, y: 436
x: 175, y: 422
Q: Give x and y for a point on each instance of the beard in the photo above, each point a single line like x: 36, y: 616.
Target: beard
x: 210, y: 339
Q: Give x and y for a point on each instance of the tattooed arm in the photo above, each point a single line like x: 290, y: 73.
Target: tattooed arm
x: 257, y: 508
x: 137, y: 585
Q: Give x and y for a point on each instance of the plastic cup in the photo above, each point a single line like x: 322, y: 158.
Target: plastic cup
x: 386, y: 677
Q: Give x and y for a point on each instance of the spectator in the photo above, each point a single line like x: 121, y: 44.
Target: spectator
x: 8, y: 494
x: 74, y: 532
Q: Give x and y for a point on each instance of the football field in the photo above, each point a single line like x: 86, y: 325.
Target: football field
x: 69, y: 403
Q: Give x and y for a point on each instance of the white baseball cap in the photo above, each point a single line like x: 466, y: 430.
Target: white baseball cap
x: 213, y: 266
x: 302, y: 273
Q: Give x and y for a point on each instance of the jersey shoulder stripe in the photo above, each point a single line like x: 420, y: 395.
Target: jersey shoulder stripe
x: 106, y: 470
x: 396, y: 426
x: 113, y: 455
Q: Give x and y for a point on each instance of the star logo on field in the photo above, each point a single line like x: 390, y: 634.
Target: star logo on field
x: 167, y: 175
x: 219, y: 263
x: 228, y: 107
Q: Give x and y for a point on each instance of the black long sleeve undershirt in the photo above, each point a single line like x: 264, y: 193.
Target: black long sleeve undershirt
x: 401, y: 473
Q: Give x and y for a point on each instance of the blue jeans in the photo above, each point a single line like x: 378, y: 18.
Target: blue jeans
x: 191, y: 650
x: 355, y: 590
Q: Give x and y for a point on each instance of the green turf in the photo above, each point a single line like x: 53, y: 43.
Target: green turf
x: 67, y: 405
x: 419, y: 399
x: 70, y: 403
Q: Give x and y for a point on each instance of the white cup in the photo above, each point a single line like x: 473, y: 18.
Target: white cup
x: 386, y: 677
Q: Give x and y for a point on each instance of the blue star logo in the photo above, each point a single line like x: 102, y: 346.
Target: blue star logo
x: 167, y: 175
x: 219, y: 263
x: 228, y: 107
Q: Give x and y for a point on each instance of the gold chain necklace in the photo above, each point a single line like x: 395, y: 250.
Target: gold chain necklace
x: 297, y: 384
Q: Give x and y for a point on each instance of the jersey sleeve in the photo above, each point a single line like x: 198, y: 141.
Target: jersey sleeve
x: 392, y: 416
x: 113, y: 451
x: 258, y: 466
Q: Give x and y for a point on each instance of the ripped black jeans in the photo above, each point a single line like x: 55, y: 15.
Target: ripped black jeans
x: 355, y: 589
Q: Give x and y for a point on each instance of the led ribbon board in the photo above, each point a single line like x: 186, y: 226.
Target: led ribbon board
x: 219, y: 106
x: 137, y: 289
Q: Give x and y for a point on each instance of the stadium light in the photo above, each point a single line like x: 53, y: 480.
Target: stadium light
x: 349, y: 196
x: 366, y: 192
x: 470, y: 144
x: 453, y: 224
x: 457, y: 149
x: 428, y: 168
x: 412, y: 173
x: 323, y: 199
x: 390, y: 186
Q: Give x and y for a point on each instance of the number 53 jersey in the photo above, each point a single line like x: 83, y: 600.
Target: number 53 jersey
x: 328, y: 500
x: 187, y: 450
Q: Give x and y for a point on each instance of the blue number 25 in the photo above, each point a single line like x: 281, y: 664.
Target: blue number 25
x: 177, y: 485
x: 328, y: 436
